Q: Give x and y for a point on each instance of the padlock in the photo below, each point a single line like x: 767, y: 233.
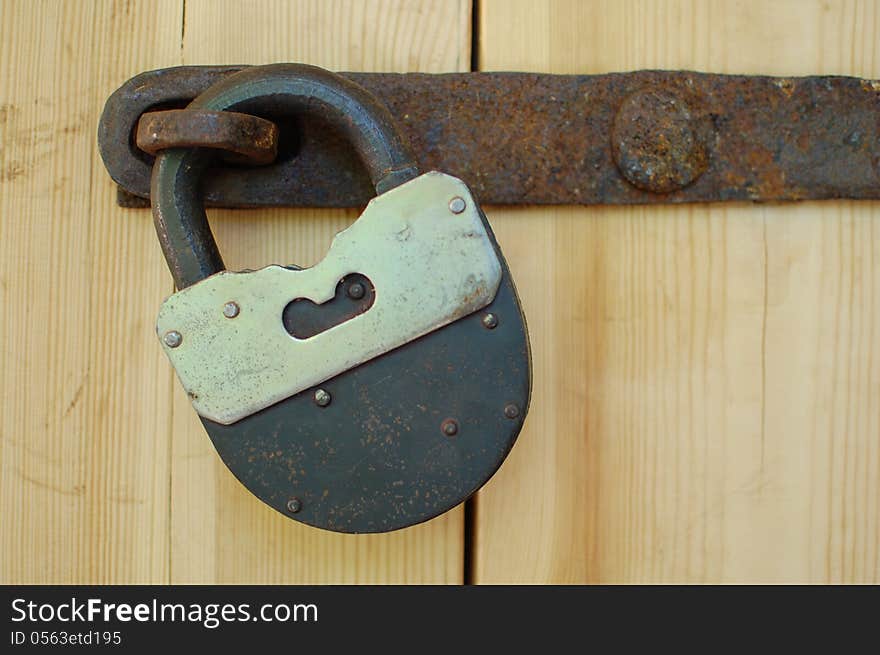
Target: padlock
x: 382, y: 386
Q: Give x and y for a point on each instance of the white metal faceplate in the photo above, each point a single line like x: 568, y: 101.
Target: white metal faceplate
x: 429, y: 266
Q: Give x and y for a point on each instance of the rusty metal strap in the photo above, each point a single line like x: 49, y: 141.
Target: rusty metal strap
x: 523, y: 138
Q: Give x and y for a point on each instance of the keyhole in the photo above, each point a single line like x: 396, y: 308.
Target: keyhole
x: 304, y: 319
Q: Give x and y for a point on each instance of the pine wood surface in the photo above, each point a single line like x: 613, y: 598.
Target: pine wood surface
x: 107, y: 476
x: 706, y: 377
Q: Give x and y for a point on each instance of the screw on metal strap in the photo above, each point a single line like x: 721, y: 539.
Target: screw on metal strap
x: 245, y: 138
x: 178, y: 206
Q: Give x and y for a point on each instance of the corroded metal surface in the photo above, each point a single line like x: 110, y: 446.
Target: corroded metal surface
x: 659, y: 142
x: 245, y: 137
x: 523, y: 138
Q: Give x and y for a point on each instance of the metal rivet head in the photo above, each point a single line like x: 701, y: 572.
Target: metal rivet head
x: 659, y: 140
x: 457, y: 205
x: 322, y: 398
x: 173, y: 338
x: 511, y: 411
x: 231, y: 309
x: 490, y: 321
x: 356, y: 291
x: 449, y: 427
x: 294, y: 505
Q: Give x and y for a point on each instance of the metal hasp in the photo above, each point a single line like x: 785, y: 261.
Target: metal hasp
x: 522, y: 138
x: 401, y: 398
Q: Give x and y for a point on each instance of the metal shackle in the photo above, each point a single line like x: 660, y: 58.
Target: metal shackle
x: 178, y: 207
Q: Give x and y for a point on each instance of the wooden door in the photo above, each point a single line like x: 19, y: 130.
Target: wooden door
x: 705, y: 376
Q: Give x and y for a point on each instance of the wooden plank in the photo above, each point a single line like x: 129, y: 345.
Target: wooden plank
x: 84, y: 429
x: 220, y: 533
x: 706, y: 377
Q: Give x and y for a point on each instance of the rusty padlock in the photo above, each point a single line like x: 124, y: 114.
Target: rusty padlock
x: 382, y: 386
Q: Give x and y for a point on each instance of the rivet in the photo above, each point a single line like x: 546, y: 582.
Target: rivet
x: 490, y: 321
x: 449, y: 427
x: 294, y: 505
x: 322, y: 398
x: 231, y: 309
x: 511, y: 411
x: 173, y: 338
x: 457, y: 205
x: 659, y: 140
x: 356, y: 291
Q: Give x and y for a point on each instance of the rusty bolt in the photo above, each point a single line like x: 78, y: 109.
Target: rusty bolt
x: 449, y: 427
x: 356, y: 291
x: 294, y: 505
x: 322, y: 398
x: 173, y: 338
x: 511, y: 410
x: 457, y: 205
x: 231, y: 309
x: 658, y: 142
x: 490, y: 321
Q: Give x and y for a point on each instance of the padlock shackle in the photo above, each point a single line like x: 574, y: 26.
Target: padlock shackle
x: 178, y: 206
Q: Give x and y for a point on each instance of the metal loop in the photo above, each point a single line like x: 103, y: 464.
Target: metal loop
x: 243, y: 138
x: 178, y: 207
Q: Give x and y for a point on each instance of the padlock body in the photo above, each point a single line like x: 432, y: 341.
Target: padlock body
x: 425, y: 387
x: 377, y: 457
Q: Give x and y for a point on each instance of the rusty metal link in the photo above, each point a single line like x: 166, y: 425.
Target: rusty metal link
x: 244, y: 138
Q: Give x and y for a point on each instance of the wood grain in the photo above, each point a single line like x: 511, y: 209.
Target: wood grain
x: 219, y: 532
x: 93, y: 488
x: 86, y: 399
x: 706, y: 377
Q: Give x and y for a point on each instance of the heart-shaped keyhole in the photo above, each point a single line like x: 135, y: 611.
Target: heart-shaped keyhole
x: 304, y: 319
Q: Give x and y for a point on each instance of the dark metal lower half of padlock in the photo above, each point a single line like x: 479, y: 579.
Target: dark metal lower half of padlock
x: 405, y: 436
